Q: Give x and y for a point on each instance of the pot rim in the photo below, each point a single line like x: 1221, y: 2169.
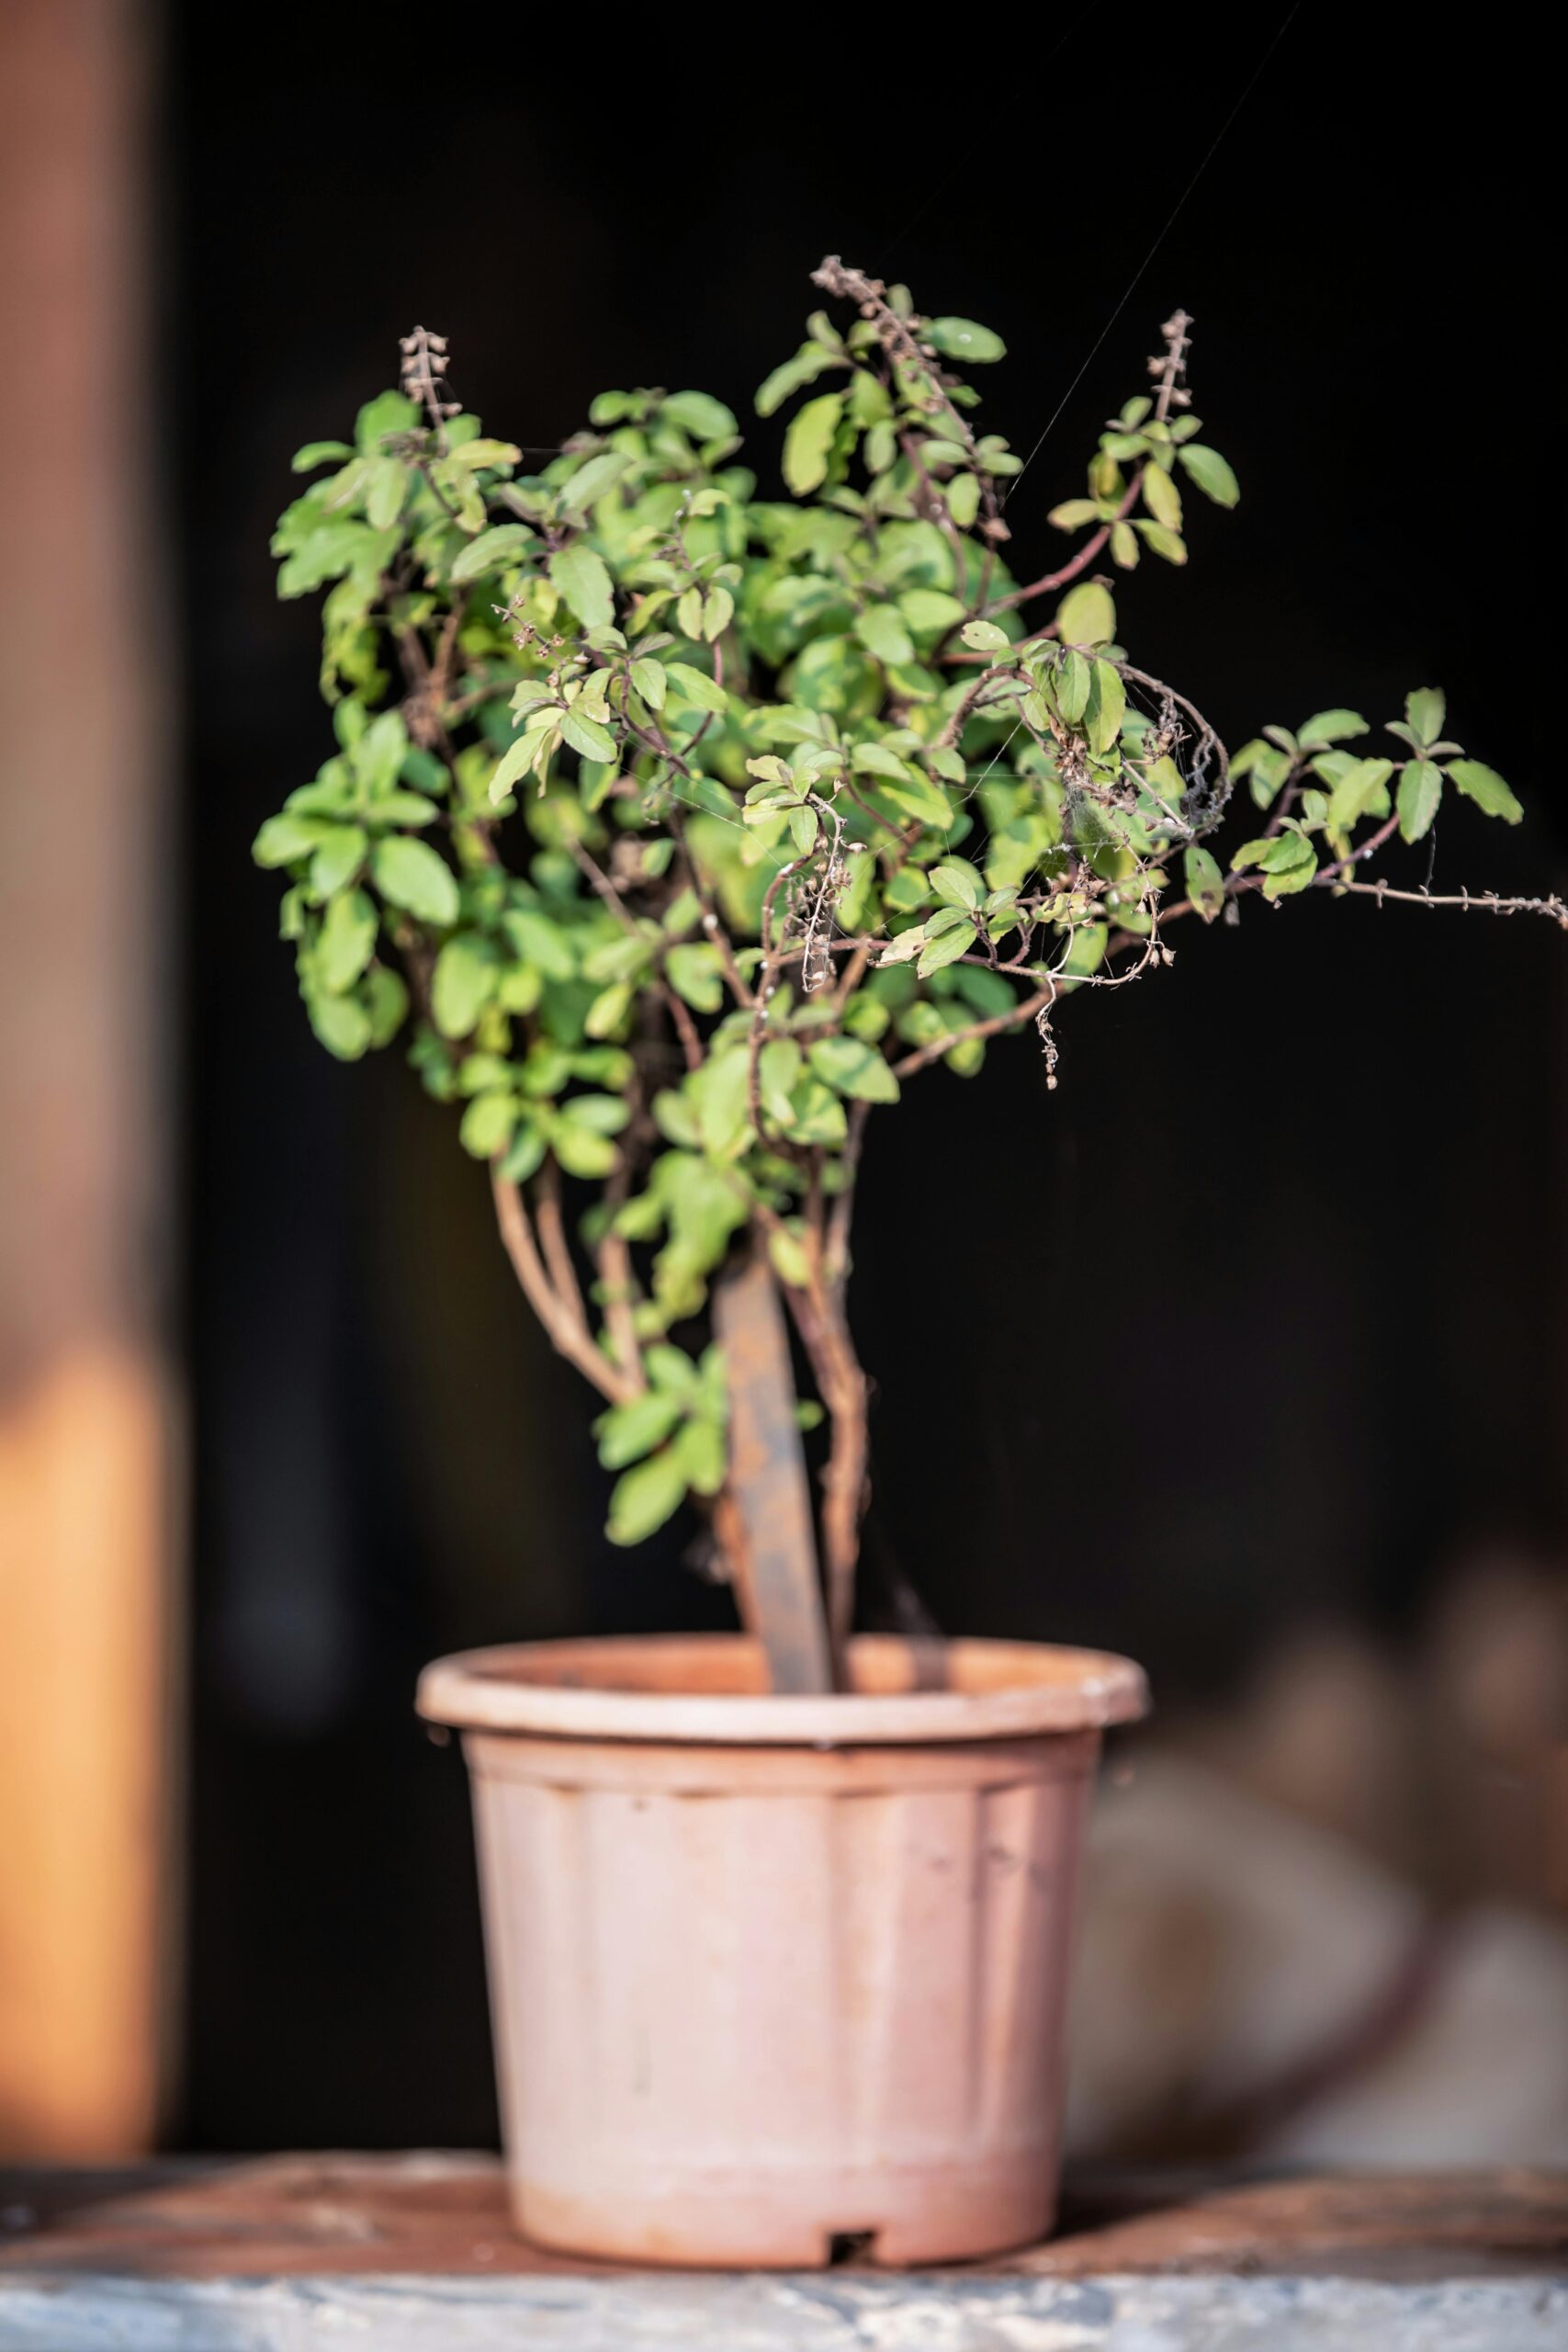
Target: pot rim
x: 710, y: 1689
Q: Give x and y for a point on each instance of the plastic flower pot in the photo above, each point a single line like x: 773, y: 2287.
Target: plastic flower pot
x: 777, y: 1978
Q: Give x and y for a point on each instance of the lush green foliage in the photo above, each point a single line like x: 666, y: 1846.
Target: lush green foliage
x: 696, y: 821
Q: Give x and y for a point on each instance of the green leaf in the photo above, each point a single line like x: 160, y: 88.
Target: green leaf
x: 526, y: 1156
x: 963, y: 497
x: 697, y: 973
x: 1486, y: 788
x: 388, y: 1002
x: 593, y: 481
x: 984, y: 637
x: 582, y: 1152
x: 584, y: 581
x: 462, y: 984
x: 1161, y: 496
x: 1107, y: 706
x: 1205, y: 883
x: 876, y: 759
x: 284, y: 839
x: 601, y: 1114
x: 694, y: 686
x: 423, y: 770
x: 962, y: 339
x: 718, y: 611
x: 386, y: 489
x: 1359, y: 785
x: 628, y: 1432
x: 1086, y: 615
x: 817, y: 1114
x: 1209, y: 471
x: 647, y: 677
x: 881, y: 630
x: 1169, y: 545
x: 1087, y: 951
x: 320, y: 453
x: 1425, y: 711
x: 1420, y: 790
x: 340, y: 852
x: 988, y: 993
x: 644, y: 1497
x: 388, y: 412
x: 946, y: 949
x: 608, y: 1009
x: 852, y: 1067
x: 1074, y: 680
x: 701, y: 415
x: 409, y: 875
x: 1074, y: 513
x: 958, y: 882
x: 790, y: 1261
x: 701, y: 1451
x: 586, y: 736
x: 488, y: 1123
x: 340, y: 1022
x: 928, y: 609
x: 1283, y: 881
x: 347, y: 940
x: 504, y: 544
x: 540, y: 942
x: 1274, y: 853
x: 791, y: 375
x: 1327, y: 727
x: 469, y: 457
x: 808, y: 443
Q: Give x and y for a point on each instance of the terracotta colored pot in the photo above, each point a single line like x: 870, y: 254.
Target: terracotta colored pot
x: 770, y: 1974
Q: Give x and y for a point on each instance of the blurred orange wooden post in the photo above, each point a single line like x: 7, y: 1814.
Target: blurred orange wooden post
x: 86, y: 1420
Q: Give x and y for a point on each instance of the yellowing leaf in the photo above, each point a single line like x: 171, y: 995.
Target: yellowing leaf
x: 809, y: 442
x: 1161, y: 496
x: 1486, y: 788
x: 1086, y: 615
x: 1209, y: 471
x: 964, y: 339
x: 1420, y: 791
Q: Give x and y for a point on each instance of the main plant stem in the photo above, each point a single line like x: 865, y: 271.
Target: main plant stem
x: 764, y: 1518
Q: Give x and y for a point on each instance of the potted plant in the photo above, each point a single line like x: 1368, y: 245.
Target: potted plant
x: 683, y: 827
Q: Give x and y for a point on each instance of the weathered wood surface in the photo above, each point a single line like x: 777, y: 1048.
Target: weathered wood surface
x: 414, y: 2255
x: 444, y: 2215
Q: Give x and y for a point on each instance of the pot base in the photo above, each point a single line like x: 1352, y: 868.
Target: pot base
x: 894, y: 2217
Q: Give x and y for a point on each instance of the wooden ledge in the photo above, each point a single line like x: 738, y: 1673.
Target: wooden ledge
x: 414, y: 2254
x: 437, y: 2215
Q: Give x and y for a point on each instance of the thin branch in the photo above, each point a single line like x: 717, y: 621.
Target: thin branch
x: 1028, y: 1007
x: 897, y: 339
x: 1075, y: 564
x: 567, y: 1332
x: 836, y: 1251
x: 1486, y: 902
x: 551, y: 1227
x: 958, y: 718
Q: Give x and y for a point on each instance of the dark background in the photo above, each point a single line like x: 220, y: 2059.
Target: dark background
x: 1258, y: 1320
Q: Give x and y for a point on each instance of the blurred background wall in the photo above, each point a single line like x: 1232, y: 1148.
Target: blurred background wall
x: 1245, y: 1351
x: 88, y: 1025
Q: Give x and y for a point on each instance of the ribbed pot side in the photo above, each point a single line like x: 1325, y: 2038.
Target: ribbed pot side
x: 770, y: 1975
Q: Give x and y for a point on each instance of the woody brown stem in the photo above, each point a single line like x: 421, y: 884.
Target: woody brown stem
x: 566, y: 1327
